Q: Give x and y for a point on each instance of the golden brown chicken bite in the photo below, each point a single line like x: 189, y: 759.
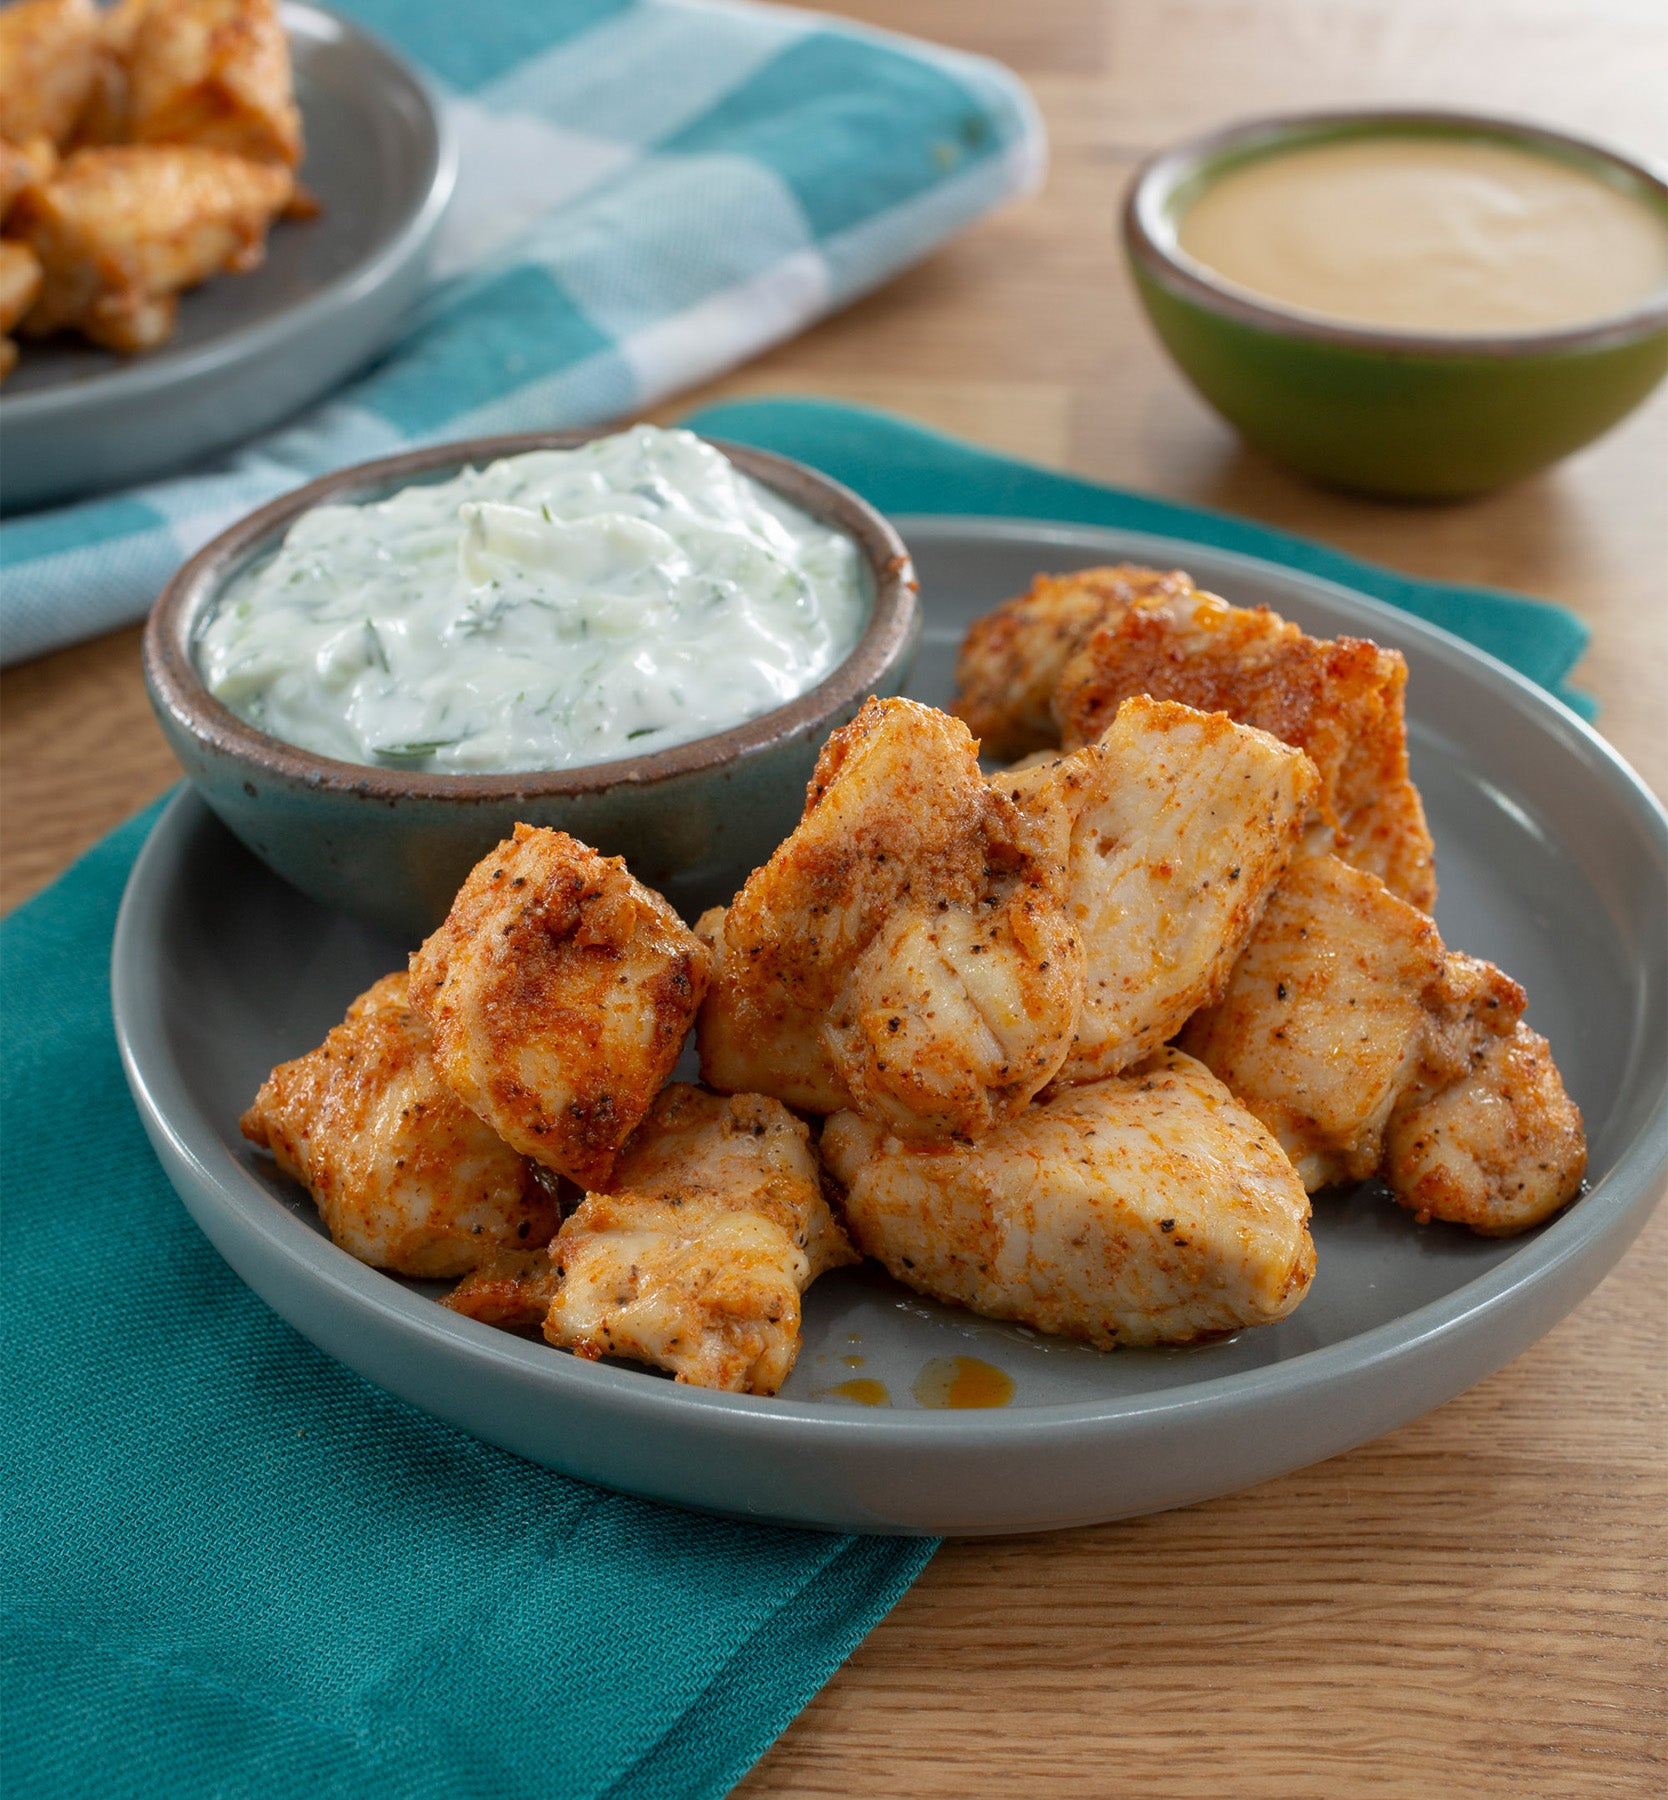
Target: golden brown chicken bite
x: 513, y: 1289
x: 1500, y: 1149
x: 1011, y: 659
x: 120, y: 231
x: 913, y: 923
x: 215, y: 73
x: 24, y: 166
x: 1323, y: 1019
x: 1340, y: 700
x: 1368, y: 1048
x: 20, y: 281
x: 749, y: 1025
x: 119, y: 25
x: 1150, y: 1208
x: 1342, y: 1002
x: 560, y: 990
x: 1181, y: 824
x: 48, y: 60
x: 695, y: 1260
x: 404, y: 1175
x: 107, y: 118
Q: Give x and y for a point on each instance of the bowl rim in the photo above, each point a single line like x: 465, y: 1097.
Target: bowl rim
x: 139, y: 379
x: 1150, y: 236
x: 178, y: 690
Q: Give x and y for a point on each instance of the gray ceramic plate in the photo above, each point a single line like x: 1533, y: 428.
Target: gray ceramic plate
x: 1554, y: 862
x: 252, y: 348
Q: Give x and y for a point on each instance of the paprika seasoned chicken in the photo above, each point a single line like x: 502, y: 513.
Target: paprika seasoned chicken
x: 560, y: 990
x: 1366, y: 1047
x: 49, y: 54
x: 20, y: 281
x: 22, y: 168
x: 1149, y: 1208
x: 1181, y: 824
x: 404, y: 1175
x: 1095, y: 639
x: 695, y: 1259
x: 215, y: 73
x: 906, y: 951
x: 143, y: 150
x: 1011, y: 659
x: 1340, y: 700
x: 1500, y: 1149
x: 121, y: 231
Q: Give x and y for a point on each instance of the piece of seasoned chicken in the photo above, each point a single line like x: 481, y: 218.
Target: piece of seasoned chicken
x: 49, y: 53
x: 1011, y: 659
x: 1182, y: 823
x: 1340, y: 700
x: 119, y: 25
x: 1352, y: 1033
x: 404, y: 1175
x: 695, y: 1259
x: 751, y: 1028
x: 560, y: 990
x: 1499, y: 1150
x: 905, y: 951
x: 121, y: 231
x: 20, y: 281
x: 1150, y: 1208
x: 107, y: 118
x: 215, y: 73
x: 513, y: 1289
x: 1323, y: 1021
x: 24, y: 166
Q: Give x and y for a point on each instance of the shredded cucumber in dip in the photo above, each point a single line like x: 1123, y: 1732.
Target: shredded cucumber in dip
x: 554, y: 609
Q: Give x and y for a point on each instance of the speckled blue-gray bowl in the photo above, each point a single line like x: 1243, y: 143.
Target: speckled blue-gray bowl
x: 391, y: 847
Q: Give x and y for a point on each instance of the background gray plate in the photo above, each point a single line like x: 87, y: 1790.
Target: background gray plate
x: 252, y: 348
x: 1553, y: 861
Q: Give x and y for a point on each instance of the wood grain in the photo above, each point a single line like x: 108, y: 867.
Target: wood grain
x: 1475, y: 1603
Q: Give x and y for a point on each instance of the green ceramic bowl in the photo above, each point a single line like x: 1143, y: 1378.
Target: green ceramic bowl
x: 392, y: 847
x: 1403, y: 414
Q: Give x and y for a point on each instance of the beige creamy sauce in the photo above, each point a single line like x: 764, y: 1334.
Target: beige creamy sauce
x: 1440, y: 235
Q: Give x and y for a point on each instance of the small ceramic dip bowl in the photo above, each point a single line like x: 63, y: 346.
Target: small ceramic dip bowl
x: 1393, y: 412
x: 391, y: 846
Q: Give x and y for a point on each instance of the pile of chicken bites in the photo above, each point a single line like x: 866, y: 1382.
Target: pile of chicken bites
x: 142, y: 149
x: 1082, y: 1037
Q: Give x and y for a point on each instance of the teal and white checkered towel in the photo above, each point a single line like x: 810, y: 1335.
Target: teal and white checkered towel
x: 650, y: 191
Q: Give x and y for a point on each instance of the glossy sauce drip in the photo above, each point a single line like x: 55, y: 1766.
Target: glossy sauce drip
x: 864, y: 1391
x: 962, y: 1381
x: 1429, y: 234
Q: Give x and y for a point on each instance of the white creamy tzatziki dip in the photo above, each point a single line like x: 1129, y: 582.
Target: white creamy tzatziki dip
x: 555, y: 609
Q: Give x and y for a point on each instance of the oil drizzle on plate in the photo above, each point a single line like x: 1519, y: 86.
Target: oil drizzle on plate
x: 864, y: 1390
x: 963, y: 1381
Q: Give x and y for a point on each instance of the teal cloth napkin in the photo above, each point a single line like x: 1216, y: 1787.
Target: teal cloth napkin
x: 232, y: 1568
x: 902, y: 467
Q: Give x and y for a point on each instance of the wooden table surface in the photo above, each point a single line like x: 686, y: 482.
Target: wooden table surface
x: 1476, y: 1602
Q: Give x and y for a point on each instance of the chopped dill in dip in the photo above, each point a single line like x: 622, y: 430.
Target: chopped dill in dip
x: 555, y: 609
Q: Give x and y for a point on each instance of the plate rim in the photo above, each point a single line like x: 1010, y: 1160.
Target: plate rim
x: 1622, y: 1198
x: 133, y: 382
